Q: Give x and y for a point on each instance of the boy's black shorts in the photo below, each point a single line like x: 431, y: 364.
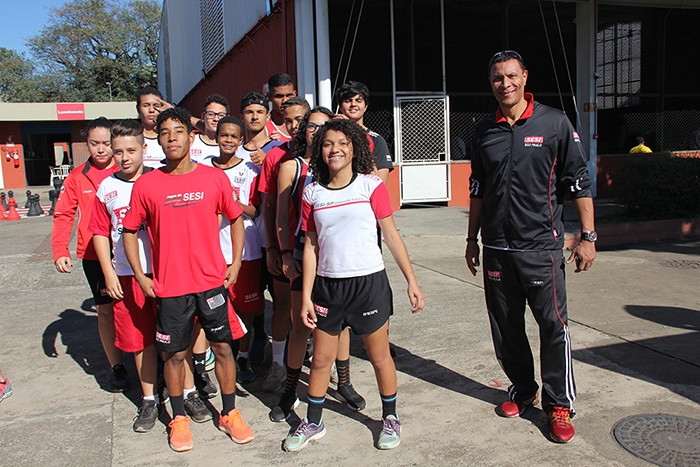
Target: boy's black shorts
x: 175, y: 319
x: 363, y: 303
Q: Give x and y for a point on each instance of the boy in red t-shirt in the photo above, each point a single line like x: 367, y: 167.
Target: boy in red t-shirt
x: 181, y: 203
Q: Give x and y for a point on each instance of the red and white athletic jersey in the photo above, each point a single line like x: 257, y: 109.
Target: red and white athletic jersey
x: 244, y: 180
x: 302, y: 178
x: 345, y: 221
x: 108, y: 212
x: 201, y: 150
x: 270, y: 128
x: 154, y: 155
x: 181, y: 212
x: 271, y: 168
x: 244, y: 154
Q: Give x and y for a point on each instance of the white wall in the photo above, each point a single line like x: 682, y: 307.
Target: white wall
x: 185, y: 39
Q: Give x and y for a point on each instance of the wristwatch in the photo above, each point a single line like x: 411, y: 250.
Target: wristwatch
x: 590, y: 236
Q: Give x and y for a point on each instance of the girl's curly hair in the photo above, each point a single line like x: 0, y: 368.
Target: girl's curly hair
x: 362, y: 160
x: 300, y: 146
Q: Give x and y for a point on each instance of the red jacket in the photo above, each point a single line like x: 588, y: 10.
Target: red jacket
x: 77, y: 194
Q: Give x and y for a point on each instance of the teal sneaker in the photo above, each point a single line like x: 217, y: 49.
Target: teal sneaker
x: 304, y: 433
x: 209, y: 360
x: 390, y: 437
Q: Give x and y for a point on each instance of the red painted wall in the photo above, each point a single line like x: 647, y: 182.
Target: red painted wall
x: 269, y: 47
x: 459, y: 180
x: 13, y: 177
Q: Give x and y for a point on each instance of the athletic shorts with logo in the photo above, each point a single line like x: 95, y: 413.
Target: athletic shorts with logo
x: 96, y: 280
x: 134, y: 317
x: 362, y: 303
x: 245, y: 293
x: 175, y: 319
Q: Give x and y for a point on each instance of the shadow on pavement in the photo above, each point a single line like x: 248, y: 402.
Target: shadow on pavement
x: 432, y: 372
x: 80, y: 336
x: 670, y: 361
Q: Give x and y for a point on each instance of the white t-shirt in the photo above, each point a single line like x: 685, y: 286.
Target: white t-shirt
x: 154, y: 155
x: 244, y: 180
x: 345, y: 221
x: 111, y: 205
x: 201, y: 150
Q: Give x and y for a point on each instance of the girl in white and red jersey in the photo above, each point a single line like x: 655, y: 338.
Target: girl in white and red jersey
x: 344, y: 281
x: 244, y: 176
x: 294, y: 177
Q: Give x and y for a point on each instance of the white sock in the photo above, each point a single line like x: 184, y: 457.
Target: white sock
x: 242, y: 354
x: 153, y: 398
x: 187, y: 392
x: 278, y: 352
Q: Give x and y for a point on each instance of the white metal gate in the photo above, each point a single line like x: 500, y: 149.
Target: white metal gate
x: 423, y: 150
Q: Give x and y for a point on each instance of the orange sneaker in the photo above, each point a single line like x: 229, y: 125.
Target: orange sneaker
x: 234, y: 426
x: 180, y: 436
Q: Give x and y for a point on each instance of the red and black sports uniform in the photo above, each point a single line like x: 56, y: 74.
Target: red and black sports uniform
x: 188, y: 264
x: 523, y: 173
x: 77, y: 197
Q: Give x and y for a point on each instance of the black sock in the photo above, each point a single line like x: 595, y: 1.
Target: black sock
x: 343, y: 367
x: 199, y: 360
x: 315, y: 410
x: 178, y: 405
x: 388, y: 405
x: 290, y: 387
x: 259, y: 326
x: 229, y: 401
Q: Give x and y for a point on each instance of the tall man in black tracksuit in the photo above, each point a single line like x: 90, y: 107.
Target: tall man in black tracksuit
x: 525, y: 158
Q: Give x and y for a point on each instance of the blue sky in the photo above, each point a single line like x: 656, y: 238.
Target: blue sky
x: 23, y: 19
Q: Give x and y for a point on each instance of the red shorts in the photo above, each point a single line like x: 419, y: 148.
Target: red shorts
x: 245, y: 293
x: 134, y: 317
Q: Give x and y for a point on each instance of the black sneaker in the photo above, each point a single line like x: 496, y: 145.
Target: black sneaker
x: 348, y: 394
x: 207, y: 389
x: 118, y: 382
x: 163, y: 395
x: 281, y: 412
x: 257, y: 351
x: 146, y: 418
x: 196, y: 409
x: 245, y: 371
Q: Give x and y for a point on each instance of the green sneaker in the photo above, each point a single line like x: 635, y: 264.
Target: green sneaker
x: 304, y: 433
x: 390, y: 437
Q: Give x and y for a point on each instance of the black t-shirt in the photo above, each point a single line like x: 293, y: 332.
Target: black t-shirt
x: 382, y: 155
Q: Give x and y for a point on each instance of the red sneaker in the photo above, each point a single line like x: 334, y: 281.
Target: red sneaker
x: 562, y: 431
x: 180, y: 435
x: 514, y: 408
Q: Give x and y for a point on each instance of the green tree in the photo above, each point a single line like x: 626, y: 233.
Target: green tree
x: 92, y: 45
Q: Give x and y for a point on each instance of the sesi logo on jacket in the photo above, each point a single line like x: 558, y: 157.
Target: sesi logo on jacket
x: 534, y: 141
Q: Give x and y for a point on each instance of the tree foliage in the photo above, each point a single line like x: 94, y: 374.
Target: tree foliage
x: 89, y: 45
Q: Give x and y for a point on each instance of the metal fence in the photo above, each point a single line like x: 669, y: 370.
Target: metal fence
x: 671, y: 130
x: 462, y: 123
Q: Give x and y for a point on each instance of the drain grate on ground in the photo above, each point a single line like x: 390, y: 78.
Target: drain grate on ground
x: 681, y: 264
x: 662, y: 439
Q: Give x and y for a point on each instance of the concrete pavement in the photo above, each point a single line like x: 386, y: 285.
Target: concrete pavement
x: 634, y: 322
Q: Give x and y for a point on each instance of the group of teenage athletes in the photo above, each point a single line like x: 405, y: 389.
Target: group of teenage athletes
x: 181, y: 231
